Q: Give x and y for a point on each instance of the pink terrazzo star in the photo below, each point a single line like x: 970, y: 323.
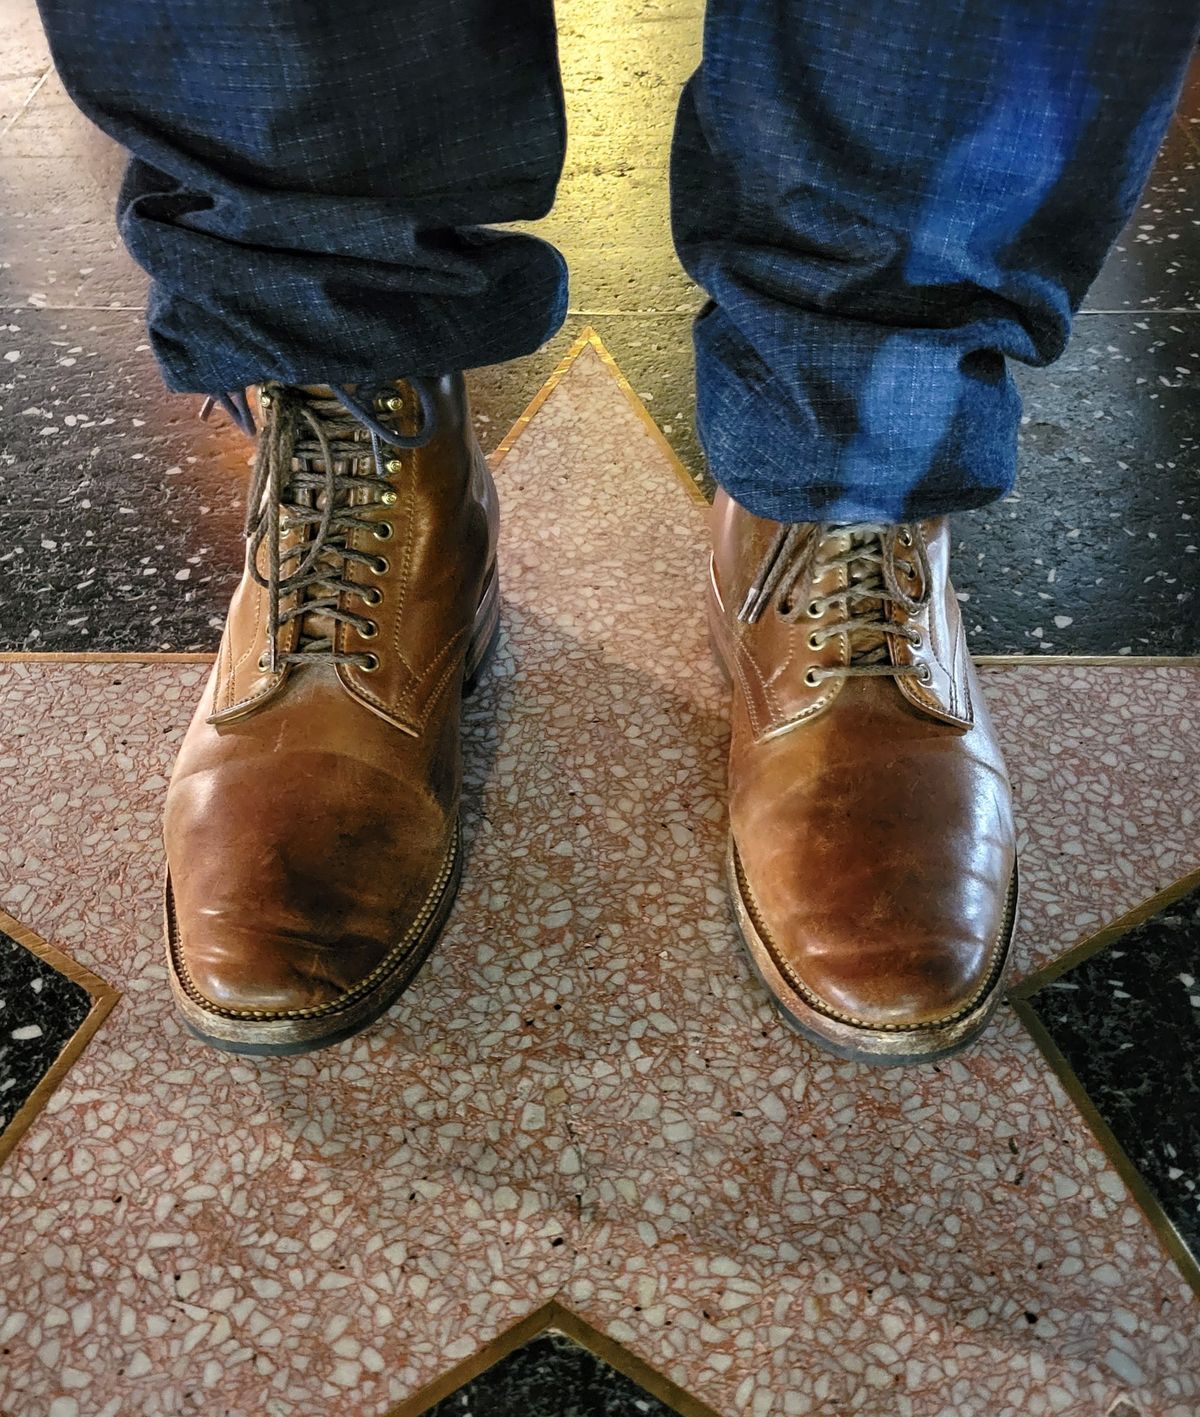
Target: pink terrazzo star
x: 584, y: 1098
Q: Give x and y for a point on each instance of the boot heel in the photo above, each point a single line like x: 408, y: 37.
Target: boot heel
x: 484, y: 633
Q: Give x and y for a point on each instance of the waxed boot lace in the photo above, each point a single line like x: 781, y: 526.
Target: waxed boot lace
x: 870, y: 553
x: 320, y: 467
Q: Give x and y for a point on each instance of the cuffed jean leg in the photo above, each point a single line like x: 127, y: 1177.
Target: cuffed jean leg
x: 312, y: 181
x: 887, y: 199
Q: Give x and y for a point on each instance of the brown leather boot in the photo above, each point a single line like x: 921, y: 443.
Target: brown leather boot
x: 311, y: 829
x: 872, y: 861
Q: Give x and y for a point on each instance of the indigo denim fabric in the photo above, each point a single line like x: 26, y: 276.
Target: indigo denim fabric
x: 884, y: 200
x: 312, y: 180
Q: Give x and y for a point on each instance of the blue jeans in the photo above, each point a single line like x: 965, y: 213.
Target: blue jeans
x: 885, y: 200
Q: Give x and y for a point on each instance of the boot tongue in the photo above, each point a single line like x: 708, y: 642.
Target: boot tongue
x: 868, y: 645
x: 318, y: 624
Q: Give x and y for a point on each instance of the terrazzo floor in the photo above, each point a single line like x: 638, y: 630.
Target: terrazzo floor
x: 585, y: 1100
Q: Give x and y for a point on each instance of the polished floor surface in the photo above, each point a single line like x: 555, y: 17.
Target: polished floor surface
x: 581, y: 1170
x: 585, y: 1099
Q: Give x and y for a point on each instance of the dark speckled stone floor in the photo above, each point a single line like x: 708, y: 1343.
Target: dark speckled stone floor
x: 39, y: 1011
x: 1128, y: 1022
x: 550, y: 1376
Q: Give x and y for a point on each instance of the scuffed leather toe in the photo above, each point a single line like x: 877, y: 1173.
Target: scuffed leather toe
x: 878, y: 883
x: 276, y: 917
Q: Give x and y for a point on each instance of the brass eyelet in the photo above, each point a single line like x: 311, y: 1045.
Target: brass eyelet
x: 264, y: 662
x: 368, y: 631
x: 394, y: 465
x: 812, y: 678
x: 925, y: 674
x: 383, y: 532
x: 905, y: 538
x: 372, y: 595
x: 389, y: 497
x: 370, y: 663
x: 814, y: 643
x: 381, y: 566
x: 814, y: 610
x: 918, y: 640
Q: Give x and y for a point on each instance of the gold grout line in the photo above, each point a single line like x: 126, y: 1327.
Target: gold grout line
x: 984, y: 661
x: 1106, y: 936
x: 553, y: 1317
x: 104, y: 996
x: 588, y: 337
x: 502, y: 449
x: 608, y: 1350
x: 487, y: 1357
x: 24, y: 108
x: 639, y: 408
x: 104, y: 657
x: 1157, y: 1218
x: 1022, y: 998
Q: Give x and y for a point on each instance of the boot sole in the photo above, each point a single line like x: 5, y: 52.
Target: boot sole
x: 264, y: 1034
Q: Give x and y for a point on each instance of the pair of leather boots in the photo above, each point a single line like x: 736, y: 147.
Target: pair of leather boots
x: 312, y: 822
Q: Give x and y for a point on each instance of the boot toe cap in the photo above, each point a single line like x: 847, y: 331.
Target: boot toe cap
x: 291, y: 904
x: 875, y: 955
x: 231, y: 965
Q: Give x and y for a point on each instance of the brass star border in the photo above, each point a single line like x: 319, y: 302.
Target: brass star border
x: 1022, y: 997
x: 554, y: 1318
x: 103, y: 998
